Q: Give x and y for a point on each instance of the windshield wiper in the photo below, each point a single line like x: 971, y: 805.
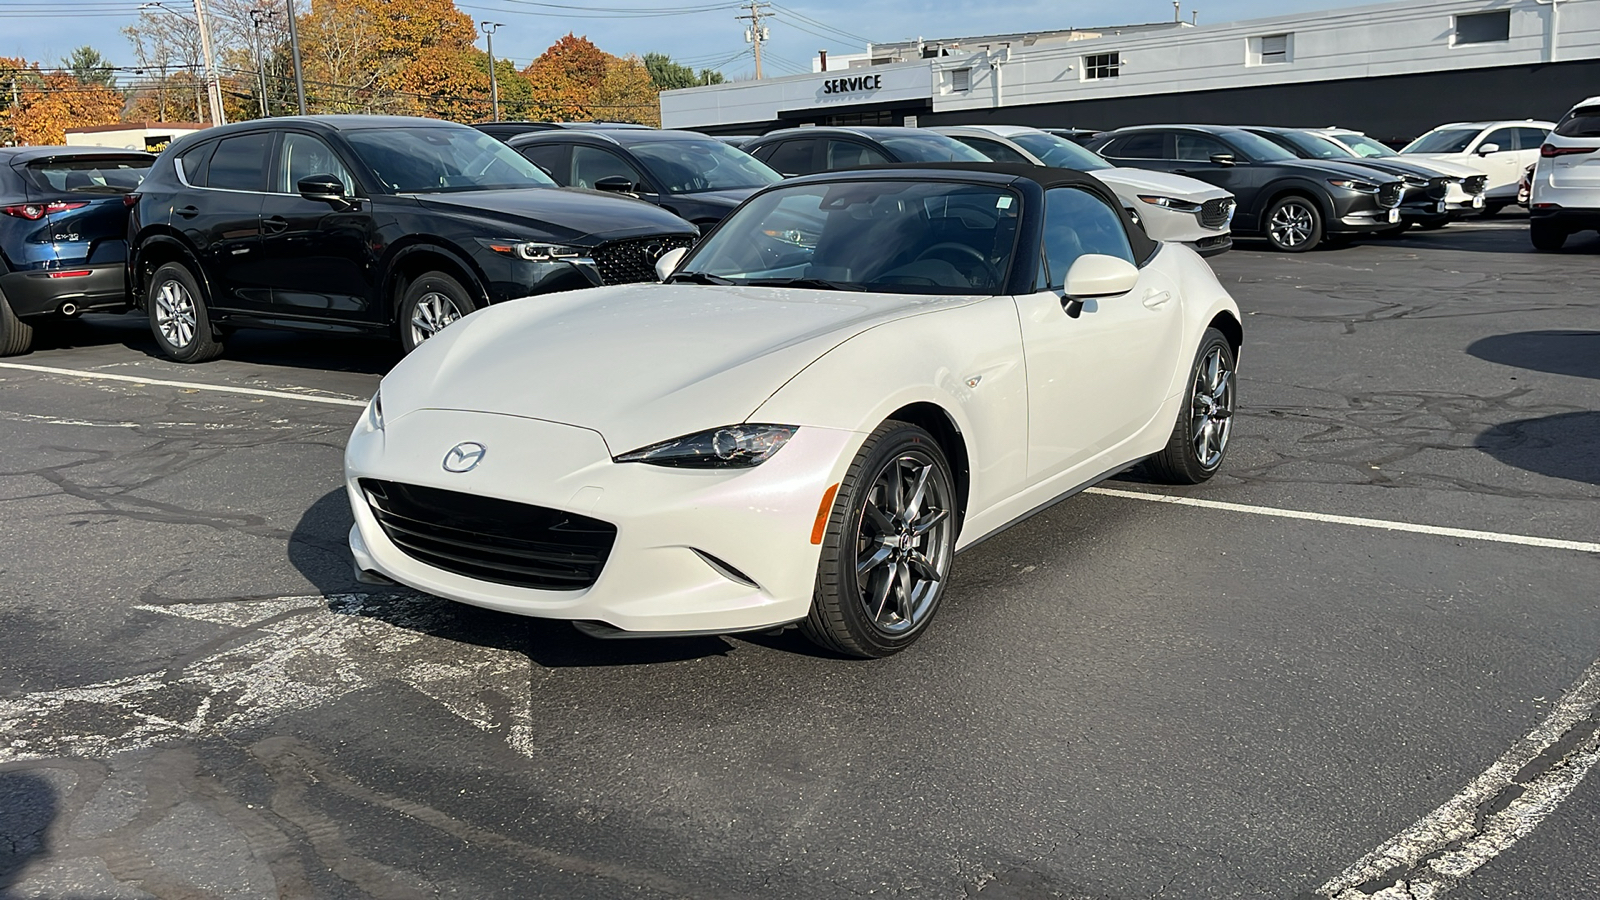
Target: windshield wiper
x: 818, y: 283
x: 697, y: 278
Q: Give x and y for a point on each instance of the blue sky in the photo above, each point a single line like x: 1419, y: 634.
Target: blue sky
x: 701, y: 35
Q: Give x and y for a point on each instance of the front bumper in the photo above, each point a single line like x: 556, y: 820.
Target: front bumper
x: 1367, y: 220
x: 657, y: 578
x: 1212, y: 246
x: 37, y: 293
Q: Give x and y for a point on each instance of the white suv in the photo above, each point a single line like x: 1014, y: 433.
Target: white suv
x: 1500, y: 150
x: 1564, y: 192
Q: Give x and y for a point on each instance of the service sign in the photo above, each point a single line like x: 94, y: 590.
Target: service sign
x: 853, y: 85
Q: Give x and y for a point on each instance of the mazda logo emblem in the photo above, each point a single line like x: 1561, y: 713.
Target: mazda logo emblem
x: 653, y: 252
x: 464, y: 457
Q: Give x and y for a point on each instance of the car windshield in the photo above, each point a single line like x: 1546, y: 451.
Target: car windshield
x: 1363, y: 146
x: 1258, y: 148
x: 1314, y: 146
x: 423, y: 159
x: 899, y: 237
x: 1581, y: 123
x: 89, y: 174
x: 1059, y: 152
x: 688, y: 166
x: 1445, y: 140
x: 925, y: 146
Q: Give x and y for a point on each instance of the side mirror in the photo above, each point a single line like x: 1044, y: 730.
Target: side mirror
x: 1224, y: 159
x: 325, y: 189
x: 1486, y: 149
x: 614, y: 184
x: 1095, y: 275
x: 668, y: 263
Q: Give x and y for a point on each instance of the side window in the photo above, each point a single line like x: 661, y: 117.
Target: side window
x: 844, y: 154
x: 995, y: 150
x: 301, y: 155
x: 590, y: 164
x: 1198, y: 147
x: 194, y: 164
x: 791, y: 157
x: 1144, y: 145
x: 1077, y: 222
x: 240, y: 163
x: 1530, y: 138
x: 1505, y: 137
x: 552, y: 158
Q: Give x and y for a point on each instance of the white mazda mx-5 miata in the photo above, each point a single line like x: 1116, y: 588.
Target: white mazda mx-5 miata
x: 854, y: 376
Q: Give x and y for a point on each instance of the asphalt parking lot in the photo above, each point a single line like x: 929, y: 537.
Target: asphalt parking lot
x: 1282, y: 692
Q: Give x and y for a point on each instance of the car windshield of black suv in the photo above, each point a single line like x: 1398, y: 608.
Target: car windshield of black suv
x: 914, y: 146
x: 688, y: 167
x: 1057, y: 151
x: 897, y: 237
x: 428, y: 159
x: 90, y: 174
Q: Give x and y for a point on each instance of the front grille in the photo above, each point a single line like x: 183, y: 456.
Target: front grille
x: 1214, y: 213
x: 1414, y: 181
x: 634, y: 259
x: 489, y: 539
x: 1437, y: 188
x: 1475, y: 184
x: 1389, y: 194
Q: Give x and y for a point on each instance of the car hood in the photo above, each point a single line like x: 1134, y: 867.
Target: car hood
x: 1334, y: 169
x: 1165, y: 183
x: 566, y: 215
x: 638, y: 363
x: 729, y: 198
x: 1444, y: 165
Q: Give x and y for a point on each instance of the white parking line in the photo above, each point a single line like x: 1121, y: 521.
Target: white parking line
x: 1358, y: 521
x: 190, y: 385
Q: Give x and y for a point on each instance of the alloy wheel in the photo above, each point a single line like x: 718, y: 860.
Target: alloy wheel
x: 176, y: 317
x: 1211, y: 411
x: 1291, y: 224
x: 903, y: 543
x: 433, y: 312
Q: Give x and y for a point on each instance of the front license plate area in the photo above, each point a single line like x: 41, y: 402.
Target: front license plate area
x: 1394, y: 216
x: 1477, y: 202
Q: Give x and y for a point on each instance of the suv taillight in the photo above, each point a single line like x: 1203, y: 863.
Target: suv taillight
x: 33, y: 212
x: 1549, y: 150
x: 130, y: 200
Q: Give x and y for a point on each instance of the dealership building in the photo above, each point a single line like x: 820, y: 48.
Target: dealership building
x: 1393, y: 70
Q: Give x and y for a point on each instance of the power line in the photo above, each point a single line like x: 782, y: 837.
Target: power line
x: 802, y: 17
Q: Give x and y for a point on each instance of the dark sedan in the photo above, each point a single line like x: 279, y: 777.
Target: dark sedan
x: 1422, y: 203
x: 696, y: 177
x: 366, y: 225
x: 804, y: 151
x: 63, y: 234
x: 1294, y: 203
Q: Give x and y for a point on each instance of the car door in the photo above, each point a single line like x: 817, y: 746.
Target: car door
x: 553, y: 157
x: 222, y: 221
x: 318, y: 259
x: 796, y: 156
x: 1095, y: 380
x: 590, y: 164
x: 1502, y: 164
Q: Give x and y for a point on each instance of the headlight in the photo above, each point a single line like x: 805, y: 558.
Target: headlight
x: 728, y: 447
x: 535, y: 252
x: 1365, y: 187
x: 375, y: 412
x: 1172, y: 203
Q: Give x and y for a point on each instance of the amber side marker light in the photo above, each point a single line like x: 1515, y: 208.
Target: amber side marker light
x: 820, y: 527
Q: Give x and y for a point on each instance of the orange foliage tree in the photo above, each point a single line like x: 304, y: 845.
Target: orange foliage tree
x: 576, y: 80
x: 376, y: 55
x: 47, y: 104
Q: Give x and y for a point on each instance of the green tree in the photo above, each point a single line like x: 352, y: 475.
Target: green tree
x: 90, y: 67
x: 667, y: 75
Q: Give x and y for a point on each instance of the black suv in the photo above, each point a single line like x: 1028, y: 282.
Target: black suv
x: 804, y: 151
x: 1294, y: 203
x: 699, y: 178
x: 1423, y: 201
x: 366, y: 224
x: 63, y: 234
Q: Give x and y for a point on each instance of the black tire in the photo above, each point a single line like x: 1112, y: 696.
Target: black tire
x: 1490, y: 210
x: 1180, y: 461
x: 1293, y: 224
x: 16, y: 336
x: 1547, y: 237
x: 178, y: 316
x: 434, y: 291
x: 841, y: 617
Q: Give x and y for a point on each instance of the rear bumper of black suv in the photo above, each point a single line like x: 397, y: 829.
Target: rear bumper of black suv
x: 102, y: 286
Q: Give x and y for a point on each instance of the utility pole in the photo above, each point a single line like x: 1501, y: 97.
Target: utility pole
x: 257, y: 16
x: 213, y: 80
x: 489, y: 28
x: 294, y: 50
x: 756, y: 33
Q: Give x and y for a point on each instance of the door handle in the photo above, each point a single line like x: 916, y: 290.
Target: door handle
x: 189, y: 212
x: 1180, y: 171
x: 275, y: 224
x: 1156, y: 299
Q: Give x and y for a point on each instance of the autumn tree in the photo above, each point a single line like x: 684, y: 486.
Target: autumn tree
x: 576, y: 80
x: 626, y: 93
x: 46, y: 104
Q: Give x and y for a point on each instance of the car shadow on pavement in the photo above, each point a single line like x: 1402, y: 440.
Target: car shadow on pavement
x: 1575, y: 353
x: 27, y: 809
x: 318, y: 549
x: 1563, y: 446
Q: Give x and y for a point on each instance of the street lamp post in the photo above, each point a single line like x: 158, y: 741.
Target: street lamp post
x: 489, y: 28
x: 257, y: 16
x: 294, y: 50
x: 213, y: 82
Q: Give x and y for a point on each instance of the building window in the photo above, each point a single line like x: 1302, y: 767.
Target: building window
x: 1483, y: 28
x: 1101, y: 65
x: 872, y: 117
x: 1271, y: 50
x: 961, y: 80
